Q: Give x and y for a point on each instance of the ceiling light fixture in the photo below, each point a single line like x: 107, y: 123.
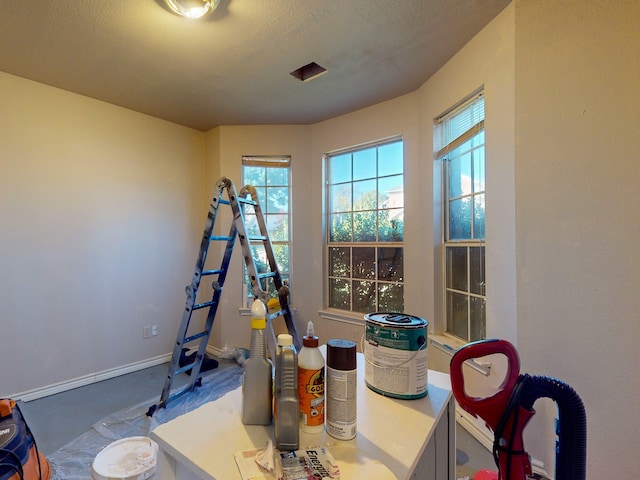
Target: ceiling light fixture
x: 192, y: 8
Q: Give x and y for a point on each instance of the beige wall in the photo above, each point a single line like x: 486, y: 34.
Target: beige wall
x: 231, y: 328
x: 97, y: 230
x: 93, y: 195
x: 577, y: 178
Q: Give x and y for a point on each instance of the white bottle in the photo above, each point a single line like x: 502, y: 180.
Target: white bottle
x: 311, y: 383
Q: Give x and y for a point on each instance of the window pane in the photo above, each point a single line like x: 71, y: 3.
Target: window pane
x: 340, y: 168
x: 478, y: 170
x: 281, y: 252
x: 457, y: 268
x: 478, y: 318
x: 277, y: 176
x: 364, y: 226
x: 476, y: 273
x: 364, y: 261
x: 390, y: 159
x: 391, y: 225
x: 278, y: 227
x: 460, y: 219
x: 391, y: 297
x: 457, y: 315
x: 364, y: 164
x: 390, y: 264
x: 340, y: 198
x: 339, y: 294
x: 478, y: 216
x: 339, y: 262
x: 251, y: 224
x: 364, y: 296
x: 460, y: 175
x: 364, y: 195
x: 277, y: 200
x: 254, y: 175
x: 340, y: 228
x: 391, y: 192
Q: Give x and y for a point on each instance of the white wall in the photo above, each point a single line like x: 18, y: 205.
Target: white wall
x: 97, y: 227
x: 577, y: 179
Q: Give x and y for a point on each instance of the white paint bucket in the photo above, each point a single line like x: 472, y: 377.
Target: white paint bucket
x: 395, y: 352
x: 132, y: 458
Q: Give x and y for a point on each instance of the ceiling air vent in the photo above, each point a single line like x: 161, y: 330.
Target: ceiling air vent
x: 309, y: 71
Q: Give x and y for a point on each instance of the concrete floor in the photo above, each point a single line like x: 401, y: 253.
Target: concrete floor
x: 58, y: 419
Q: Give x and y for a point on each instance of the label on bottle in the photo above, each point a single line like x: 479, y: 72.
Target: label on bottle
x: 341, y: 403
x: 311, y: 392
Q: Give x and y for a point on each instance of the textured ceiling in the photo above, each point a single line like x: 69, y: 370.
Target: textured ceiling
x: 232, y: 68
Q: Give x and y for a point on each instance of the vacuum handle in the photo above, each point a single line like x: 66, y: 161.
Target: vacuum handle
x: 489, y: 409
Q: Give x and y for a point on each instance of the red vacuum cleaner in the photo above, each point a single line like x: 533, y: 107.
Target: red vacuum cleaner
x: 507, y: 413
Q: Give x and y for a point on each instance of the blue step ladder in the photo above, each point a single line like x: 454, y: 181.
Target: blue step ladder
x: 243, y: 205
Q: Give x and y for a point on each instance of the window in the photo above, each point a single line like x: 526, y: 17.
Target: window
x: 460, y: 137
x: 365, y: 228
x: 270, y: 176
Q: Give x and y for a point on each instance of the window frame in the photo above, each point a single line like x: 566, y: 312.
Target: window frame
x: 381, y: 285
x: 471, y: 291
x: 270, y: 162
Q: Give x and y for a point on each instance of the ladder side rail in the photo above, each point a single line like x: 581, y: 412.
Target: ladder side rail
x: 273, y: 266
x: 215, y: 302
x: 192, y: 291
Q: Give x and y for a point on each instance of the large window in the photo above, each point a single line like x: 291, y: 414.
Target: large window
x: 365, y: 228
x: 460, y: 138
x: 270, y: 176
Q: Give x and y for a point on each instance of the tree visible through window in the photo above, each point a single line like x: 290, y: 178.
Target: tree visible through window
x: 365, y: 228
x: 460, y: 134
x: 270, y: 176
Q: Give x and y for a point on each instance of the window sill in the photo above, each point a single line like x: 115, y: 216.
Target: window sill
x: 450, y: 345
x: 342, y: 316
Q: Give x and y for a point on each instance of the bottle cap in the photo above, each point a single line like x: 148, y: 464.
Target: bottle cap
x: 258, y: 315
x: 284, y: 340
x: 310, y: 340
x: 341, y: 354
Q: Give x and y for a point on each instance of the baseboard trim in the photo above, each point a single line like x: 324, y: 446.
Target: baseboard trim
x: 60, y: 387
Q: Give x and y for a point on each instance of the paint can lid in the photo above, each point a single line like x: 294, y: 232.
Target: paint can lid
x: 341, y: 354
x: 393, y: 319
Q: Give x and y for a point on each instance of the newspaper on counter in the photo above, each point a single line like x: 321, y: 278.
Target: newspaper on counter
x: 314, y: 463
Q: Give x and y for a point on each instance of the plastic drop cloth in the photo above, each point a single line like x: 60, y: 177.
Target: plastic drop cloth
x: 74, y: 460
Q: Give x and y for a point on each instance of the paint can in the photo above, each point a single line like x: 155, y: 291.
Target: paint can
x: 395, y: 352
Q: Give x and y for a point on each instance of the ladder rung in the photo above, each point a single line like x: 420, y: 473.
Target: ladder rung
x: 225, y: 238
x: 194, y: 337
x: 185, y: 368
x: 212, y: 272
x: 247, y: 201
x: 277, y: 314
x: 201, y: 305
x: 223, y: 201
x: 257, y: 238
x: 178, y: 393
x: 267, y: 275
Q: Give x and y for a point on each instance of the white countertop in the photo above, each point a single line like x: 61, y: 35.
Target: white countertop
x: 392, y: 434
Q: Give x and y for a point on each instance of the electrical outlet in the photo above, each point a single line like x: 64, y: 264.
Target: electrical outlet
x: 146, y: 331
x: 154, y: 330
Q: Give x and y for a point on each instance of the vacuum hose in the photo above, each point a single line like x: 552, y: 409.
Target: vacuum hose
x: 571, y: 446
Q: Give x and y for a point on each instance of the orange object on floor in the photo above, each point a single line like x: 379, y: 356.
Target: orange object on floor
x: 486, y: 475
